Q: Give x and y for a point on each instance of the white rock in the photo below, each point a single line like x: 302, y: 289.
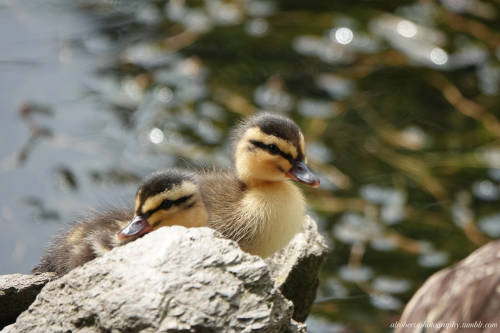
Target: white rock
x: 171, y: 279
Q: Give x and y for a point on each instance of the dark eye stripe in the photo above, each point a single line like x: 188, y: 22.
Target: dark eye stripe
x: 273, y: 150
x: 167, y: 204
x: 182, y: 200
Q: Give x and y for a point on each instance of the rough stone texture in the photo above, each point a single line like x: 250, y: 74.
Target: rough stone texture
x: 174, y: 279
x: 295, y: 269
x: 468, y: 292
x: 296, y: 327
x: 17, y: 292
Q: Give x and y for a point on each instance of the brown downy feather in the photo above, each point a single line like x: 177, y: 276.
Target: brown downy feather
x: 221, y: 192
x: 84, y: 240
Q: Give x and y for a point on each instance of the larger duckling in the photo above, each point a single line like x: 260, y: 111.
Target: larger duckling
x: 166, y: 198
x: 257, y: 205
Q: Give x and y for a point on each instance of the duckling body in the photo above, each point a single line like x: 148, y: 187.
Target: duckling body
x: 257, y: 204
x: 262, y: 218
x: 166, y: 198
x: 85, y: 240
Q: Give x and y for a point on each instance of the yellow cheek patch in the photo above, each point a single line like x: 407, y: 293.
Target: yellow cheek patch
x: 256, y: 134
x: 272, y: 161
x: 176, y: 192
x: 260, y: 165
x: 161, y: 217
x: 195, y: 216
x: 284, y: 164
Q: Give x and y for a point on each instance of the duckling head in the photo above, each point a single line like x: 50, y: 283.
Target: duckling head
x: 166, y: 198
x: 271, y: 148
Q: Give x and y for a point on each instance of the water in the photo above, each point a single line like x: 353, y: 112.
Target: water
x: 39, y: 65
x: 400, y: 118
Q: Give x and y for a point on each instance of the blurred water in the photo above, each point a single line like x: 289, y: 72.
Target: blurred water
x: 38, y: 63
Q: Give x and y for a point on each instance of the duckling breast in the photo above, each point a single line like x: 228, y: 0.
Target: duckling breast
x: 276, y: 213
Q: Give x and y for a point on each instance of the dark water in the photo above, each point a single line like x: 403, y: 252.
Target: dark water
x: 398, y: 101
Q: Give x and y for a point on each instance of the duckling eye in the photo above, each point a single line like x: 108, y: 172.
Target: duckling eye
x: 273, y: 148
x: 166, y: 204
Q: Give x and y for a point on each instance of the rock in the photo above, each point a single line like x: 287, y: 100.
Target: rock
x: 295, y: 269
x: 212, y: 277
x: 296, y: 327
x: 174, y: 279
x: 468, y: 292
x: 17, y: 292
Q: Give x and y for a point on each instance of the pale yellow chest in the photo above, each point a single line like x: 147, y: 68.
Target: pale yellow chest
x: 276, y: 212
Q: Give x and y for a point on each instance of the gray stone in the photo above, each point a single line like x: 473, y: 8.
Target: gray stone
x: 189, y: 280
x: 296, y: 327
x: 17, y: 292
x: 174, y: 279
x: 295, y: 269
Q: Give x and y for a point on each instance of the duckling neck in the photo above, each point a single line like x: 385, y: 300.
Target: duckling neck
x: 258, y: 184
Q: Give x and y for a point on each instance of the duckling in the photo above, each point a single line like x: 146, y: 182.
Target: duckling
x: 165, y: 198
x: 257, y: 205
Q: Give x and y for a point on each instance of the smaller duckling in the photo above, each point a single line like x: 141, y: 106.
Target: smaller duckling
x: 166, y: 198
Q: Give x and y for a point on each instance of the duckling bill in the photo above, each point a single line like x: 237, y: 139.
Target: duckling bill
x: 257, y: 205
x: 166, y: 198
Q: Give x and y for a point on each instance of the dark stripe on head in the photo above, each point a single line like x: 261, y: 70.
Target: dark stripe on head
x: 273, y: 150
x: 167, y: 204
x: 278, y: 126
x: 162, y: 181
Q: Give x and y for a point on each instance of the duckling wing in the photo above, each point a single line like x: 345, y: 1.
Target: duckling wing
x: 83, y: 241
x: 222, y: 194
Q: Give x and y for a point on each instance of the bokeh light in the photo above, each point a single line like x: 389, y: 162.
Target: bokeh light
x: 156, y: 136
x: 407, y: 29
x: 343, y: 35
x: 438, y: 56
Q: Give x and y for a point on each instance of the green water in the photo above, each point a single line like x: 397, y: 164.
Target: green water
x: 398, y: 101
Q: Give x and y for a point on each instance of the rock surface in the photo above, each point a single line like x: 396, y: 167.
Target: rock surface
x: 295, y: 269
x: 17, y: 292
x: 468, y: 292
x: 174, y: 279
